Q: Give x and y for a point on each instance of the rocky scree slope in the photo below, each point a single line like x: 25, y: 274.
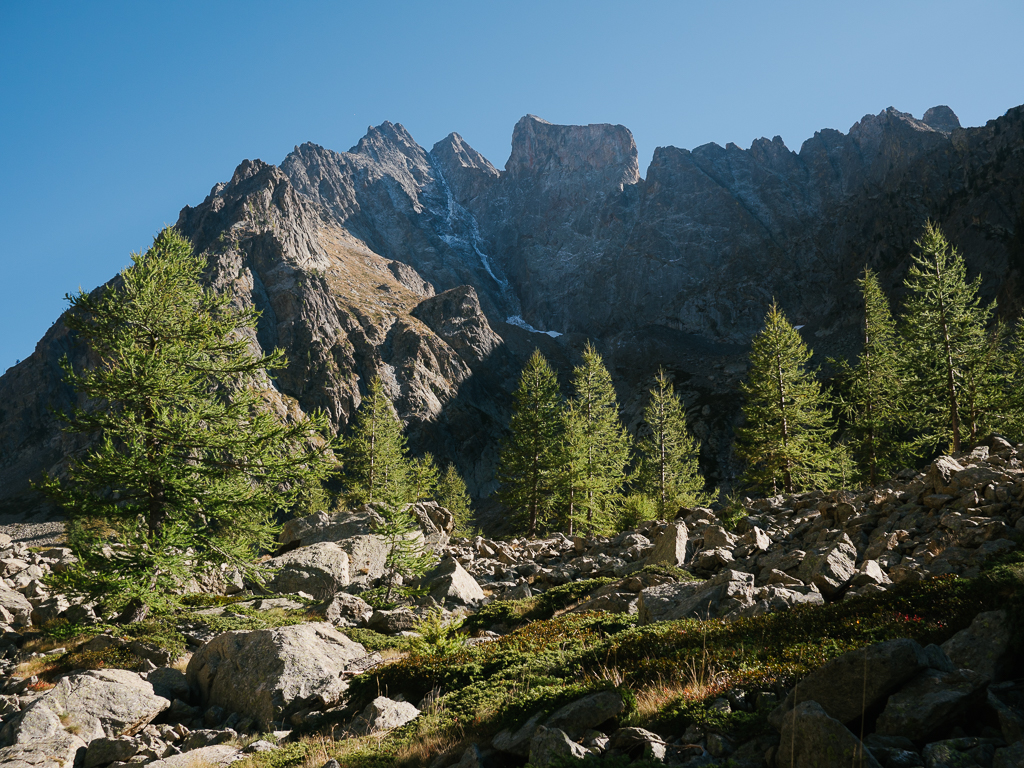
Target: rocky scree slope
x: 912, y: 703
x: 348, y: 256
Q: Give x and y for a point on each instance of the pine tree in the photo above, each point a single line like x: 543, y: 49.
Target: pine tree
x: 408, y: 555
x: 423, y: 478
x: 873, y: 396
x: 451, y: 494
x: 947, y: 350
x: 595, y: 447
x: 527, y: 468
x: 190, y: 466
x: 375, y: 462
x: 786, y: 438
x: 669, y: 471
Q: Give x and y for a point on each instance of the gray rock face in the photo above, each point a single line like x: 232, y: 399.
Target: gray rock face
x: 670, y: 547
x: 16, y: 606
x: 586, y: 713
x: 383, y: 714
x: 270, y: 674
x: 812, y: 739
x: 320, y: 570
x: 548, y: 744
x: 57, y: 751
x: 981, y: 647
x: 857, y: 681
x: 105, y: 751
x: 929, y: 702
x: 450, y: 584
x: 346, y: 610
x: 98, y: 703
x: 728, y: 591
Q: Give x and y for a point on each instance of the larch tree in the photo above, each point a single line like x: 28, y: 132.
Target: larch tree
x: 190, y: 464
x: 873, y: 397
x: 452, y: 495
x: 376, y: 465
x: 786, y: 437
x: 948, y: 351
x: 528, y: 465
x: 669, y: 472
x: 595, y: 448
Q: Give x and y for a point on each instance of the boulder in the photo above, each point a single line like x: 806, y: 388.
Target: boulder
x: 856, y: 681
x: 169, y: 682
x: 270, y: 674
x: 1007, y: 757
x: 16, y: 605
x: 383, y: 714
x: 218, y: 754
x: 436, y: 522
x: 354, y: 531
x: 57, y: 751
x: 34, y: 724
x: 716, y: 537
x: 100, y: 702
x: 586, y: 713
x: 391, y: 622
x: 830, y: 570
x: 320, y: 570
x: 548, y: 744
x: 517, y: 742
x: 345, y: 610
x: 727, y: 591
x: 929, y: 703
x: 450, y: 584
x: 983, y: 646
x: 106, y: 750
x: 812, y: 739
x: 870, y: 572
x: 941, y: 473
x: 670, y: 546
x: 637, y: 743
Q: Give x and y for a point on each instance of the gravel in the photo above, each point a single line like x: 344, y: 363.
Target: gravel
x: 34, y: 532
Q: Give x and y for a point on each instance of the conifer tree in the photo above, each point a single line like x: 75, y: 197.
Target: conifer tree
x: 947, y: 349
x: 669, y: 472
x: 423, y: 478
x: 375, y: 462
x: 190, y: 466
x: 785, y: 440
x: 408, y: 555
x: 872, y: 393
x: 451, y: 494
x: 529, y: 457
x: 595, y: 447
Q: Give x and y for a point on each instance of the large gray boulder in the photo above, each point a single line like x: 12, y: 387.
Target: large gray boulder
x: 320, y: 570
x: 812, y: 739
x: 548, y: 744
x: 57, y: 751
x: 15, y: 608
x: 832, y: 569
x: 856, y: 681
x: 270, y: 674
x: 450, y: 584
x: 930, y: 702
x: 670, y: 546
x: 726, y: 592
x: 383, y: 714
x: 353, y: 531
x: 93, y: 704
x: 983, y: 646
x: 345, y: 610
x: 586, y: 713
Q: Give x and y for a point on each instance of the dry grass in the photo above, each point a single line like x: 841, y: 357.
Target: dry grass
x: 181, y: 663
x: 392, y: 654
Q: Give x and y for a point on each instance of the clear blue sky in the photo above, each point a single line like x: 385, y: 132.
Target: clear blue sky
x: 115, y: 115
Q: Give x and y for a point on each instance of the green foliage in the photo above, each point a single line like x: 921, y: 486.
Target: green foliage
x: 528, y: 466
x: 873, y: 395
x: 374, y: 641
x: 785, y: 440
x: 634, y: 509
x: 423, y: 478
x: 669, y: 470
x: 191, y: 466
x: 513, y: 613
x: 451, y: 494
x: 438, y: 636
x: 408, y: 556
x: 376, y: 465
x: 948, y: 353
x: 731, y: 512
x: 594, y: 451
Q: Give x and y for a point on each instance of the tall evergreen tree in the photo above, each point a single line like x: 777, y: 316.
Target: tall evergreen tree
x: 376, y: 466
x: 529, y: 458
x: 872, y: 393
x: 669, y: 472
x: 595, y: 447
x: 947, y: 349
x: 423, y: 478
x: 190, y: 466
x: 451, y: 494
x: 786, y: 437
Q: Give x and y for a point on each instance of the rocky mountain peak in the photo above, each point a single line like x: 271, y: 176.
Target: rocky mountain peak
x: 605, y: 155
x: 390, y: 144
x: 468, y: 173
x: 247, y: 169
x: 941, y: 118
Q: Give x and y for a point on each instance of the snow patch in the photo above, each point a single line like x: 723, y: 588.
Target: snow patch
x: 517, y: 320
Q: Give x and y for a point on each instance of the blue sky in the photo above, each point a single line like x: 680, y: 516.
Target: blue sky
x: 115, y: 115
